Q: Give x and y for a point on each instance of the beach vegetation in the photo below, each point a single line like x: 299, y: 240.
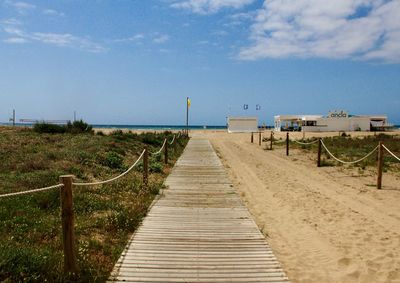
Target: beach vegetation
x: 105, y: 215
x: 43, y: 127
x: 156, y: 167
x: 76, y: 127
x: 349, y: 148
x: 114, y: 160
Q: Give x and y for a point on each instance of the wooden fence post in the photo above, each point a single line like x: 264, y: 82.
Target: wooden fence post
x: 319, y: 153
x: 67, y: 222
x: 272, y: 138
x: 251, y: 139
x: 287, y: 144
x: 259, y: 138
x: 166, y: 152
x: 380, y: 166
x: 145, y: 167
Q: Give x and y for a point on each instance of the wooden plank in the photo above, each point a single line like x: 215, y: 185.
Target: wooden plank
x: 198, y: 231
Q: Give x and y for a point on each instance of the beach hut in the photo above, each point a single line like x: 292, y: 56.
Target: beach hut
x: 242, y: 124
x: 334, y: 121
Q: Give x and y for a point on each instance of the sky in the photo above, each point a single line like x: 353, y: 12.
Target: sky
x: 136, y: 61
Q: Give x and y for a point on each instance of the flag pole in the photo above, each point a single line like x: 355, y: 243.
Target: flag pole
x: 187, y: 116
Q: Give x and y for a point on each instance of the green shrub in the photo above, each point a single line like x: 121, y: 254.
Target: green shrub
x: 78, y: 127
x: 27, y: 262
x: 43, y: 127
x: 124, y: 218
x: 156, y: 167
x: 113, y: 160
x: 151, y: 139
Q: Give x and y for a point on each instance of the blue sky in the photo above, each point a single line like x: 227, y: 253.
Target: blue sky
x: 134, y: 62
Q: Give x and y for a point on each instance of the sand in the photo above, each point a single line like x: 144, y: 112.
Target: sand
x: 324, y: 224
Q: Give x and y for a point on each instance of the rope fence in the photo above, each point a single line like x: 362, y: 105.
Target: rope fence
x: 32, y: 191
x: 159, y: 151
x: 348, y: 162
x: 67, y: 213
x: 173, y: 140
x: 115, y: 178
x: 305, y: 143
x: 278, y: 141
x: 391, y: 153
x: 321, y: 145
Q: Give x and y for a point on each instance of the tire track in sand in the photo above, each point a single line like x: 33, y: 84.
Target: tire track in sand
x: 319, y: 232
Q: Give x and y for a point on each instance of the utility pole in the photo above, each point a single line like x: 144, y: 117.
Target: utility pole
x: 13, y: 118
x: 187, y: 116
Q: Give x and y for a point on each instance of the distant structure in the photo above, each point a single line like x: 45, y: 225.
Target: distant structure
x: 242, y: 124
x: 34, y: 121
x: 335, y: 121
x: 12, y: 119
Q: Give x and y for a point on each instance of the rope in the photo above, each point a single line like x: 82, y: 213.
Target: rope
x: 112, y: 179
x: 172, y: 140
x: 305, y: 143
x: 179, y: 135
x: 348, y: 162
x: 391, y: 152
x: 32, y: 191
x: 159, y: 151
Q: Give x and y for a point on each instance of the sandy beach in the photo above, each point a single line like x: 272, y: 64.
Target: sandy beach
x: 324, y: 224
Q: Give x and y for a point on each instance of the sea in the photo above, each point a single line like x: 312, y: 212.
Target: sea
x: 150, y: 127
x: 160, y: 127
x: 139, y: 127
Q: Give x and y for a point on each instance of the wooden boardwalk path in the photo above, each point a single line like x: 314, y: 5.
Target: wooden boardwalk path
x: 198, y: 230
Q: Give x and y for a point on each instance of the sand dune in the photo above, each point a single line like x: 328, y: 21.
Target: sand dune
x: 324, y: 224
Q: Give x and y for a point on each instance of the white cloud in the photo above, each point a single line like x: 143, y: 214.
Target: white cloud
x: 68, y: 40
x: 15, y: 40
x: 159, y: 39
x: 56, y: 39
x: 14, y: 31
x: 240, y: 18
x: 209, y: 6
x: 358, y: 29
x: 139, y: 38
x: 21, y: 7
x: 51, y: 12
x: 220, y: 33
x: 136, y: 38
x: 11, y: 22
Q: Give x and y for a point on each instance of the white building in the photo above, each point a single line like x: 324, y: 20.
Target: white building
x: 242, y: 124
x: 333, y: 122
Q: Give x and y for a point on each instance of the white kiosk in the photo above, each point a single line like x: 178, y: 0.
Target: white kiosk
x: 334, y: 121
x: 242, y: 124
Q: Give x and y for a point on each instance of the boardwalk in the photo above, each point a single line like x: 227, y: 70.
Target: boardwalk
x: 198, y: 231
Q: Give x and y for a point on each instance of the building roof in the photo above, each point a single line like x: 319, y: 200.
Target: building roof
x: 297, y: 117
x: 242, y: 118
